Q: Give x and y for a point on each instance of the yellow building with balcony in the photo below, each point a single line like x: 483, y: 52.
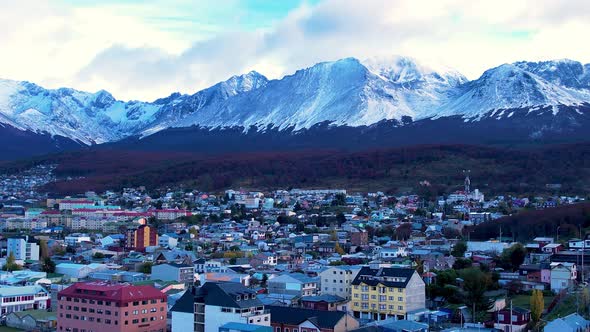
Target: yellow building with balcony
x: 387, y: 292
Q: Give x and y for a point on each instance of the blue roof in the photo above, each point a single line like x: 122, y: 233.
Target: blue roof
x: 245, y: 327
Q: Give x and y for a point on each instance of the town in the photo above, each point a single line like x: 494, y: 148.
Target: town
x: 296, y: 260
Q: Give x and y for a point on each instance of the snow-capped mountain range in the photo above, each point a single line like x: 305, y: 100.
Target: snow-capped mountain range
x: 347, y: 92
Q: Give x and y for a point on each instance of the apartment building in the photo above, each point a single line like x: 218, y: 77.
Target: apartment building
x: 102, y: 306
x: 142, y: 237
x: 379, y: 293
x: 23, y: 248
x: 209, y: 307
x: 337, y: 280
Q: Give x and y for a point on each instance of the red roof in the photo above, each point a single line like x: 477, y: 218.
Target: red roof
x: 172, y: 210
x: 81, y: 201
x: 51, y: 212
x: 112, y: 292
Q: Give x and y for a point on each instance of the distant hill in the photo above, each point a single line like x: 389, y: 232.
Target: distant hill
x: 494, y: 170
x: 527, y: 225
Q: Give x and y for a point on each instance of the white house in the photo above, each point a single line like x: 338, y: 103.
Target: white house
x: 79, y: 271
x: 173, y: 272
x: 563, y: 276
x: 209, y: 307
x: 19, y: 298
x: 167, y: 241
x: 75, y: 239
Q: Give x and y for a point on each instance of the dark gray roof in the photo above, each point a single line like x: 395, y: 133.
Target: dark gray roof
x: 323, y: 298
x: 221, y: 294
x: 295, y: 316
x: 186, y: 303
x: 373, y: 277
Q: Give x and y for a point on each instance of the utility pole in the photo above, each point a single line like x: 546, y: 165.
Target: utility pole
x: 583, y: 252
x: 511, y: 316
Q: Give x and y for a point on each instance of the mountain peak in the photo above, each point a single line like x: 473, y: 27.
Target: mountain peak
x: 566, y: 72
x: 403, y: 70
x: 243, y: 83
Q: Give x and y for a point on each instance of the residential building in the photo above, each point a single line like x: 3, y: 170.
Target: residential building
x: 32, y: 320
x: 211, y: 306
x: 384, y: 292
x: 516, y: 317
x: 297, y: 284
x: 171, y: 214
x: 337, y: 280
x: 242, y: 327
x: 23, y: 248
x: 21, y: 298
x: 359, y: 238
x: 79, y: 271
x: 168, y: 241
x: 174, y: 272
x: 101, y: 306
x: 563, y: 276
x: 325, y: 302
x: 288, y: 319
x: 570, y: 323
x: 142, y: 237
x: 76, y: 238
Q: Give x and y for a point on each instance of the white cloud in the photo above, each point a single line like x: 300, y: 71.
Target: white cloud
x: 114, y: 48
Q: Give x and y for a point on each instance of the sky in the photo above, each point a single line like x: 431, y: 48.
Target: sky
x: 147, y: 49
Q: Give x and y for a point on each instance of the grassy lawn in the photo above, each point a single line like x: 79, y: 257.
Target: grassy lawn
x: 523, y: 301
x: 8, y: 329
x: 564, y: 308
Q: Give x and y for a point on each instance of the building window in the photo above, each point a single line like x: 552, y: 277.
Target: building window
x: 400, y: 298
x: 400, y: 307
x: 278, y: 329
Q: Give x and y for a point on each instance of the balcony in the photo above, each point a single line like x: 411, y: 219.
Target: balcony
x: 255, y: 313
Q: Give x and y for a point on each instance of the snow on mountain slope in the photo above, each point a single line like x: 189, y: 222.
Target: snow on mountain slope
x: 564, y: 72
x: 85, y: 117
x: 406, y: 70
x: 176, y: 108
x: 343, y: 92
x: 509, y: 86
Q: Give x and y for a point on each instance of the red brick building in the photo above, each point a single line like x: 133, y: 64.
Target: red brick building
x: 142, y: 237
x: 100, y: 307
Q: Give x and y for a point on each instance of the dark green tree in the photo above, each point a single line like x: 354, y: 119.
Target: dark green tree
x: 146, y: 267
x: 48, y: 265
x: 459, y: 249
